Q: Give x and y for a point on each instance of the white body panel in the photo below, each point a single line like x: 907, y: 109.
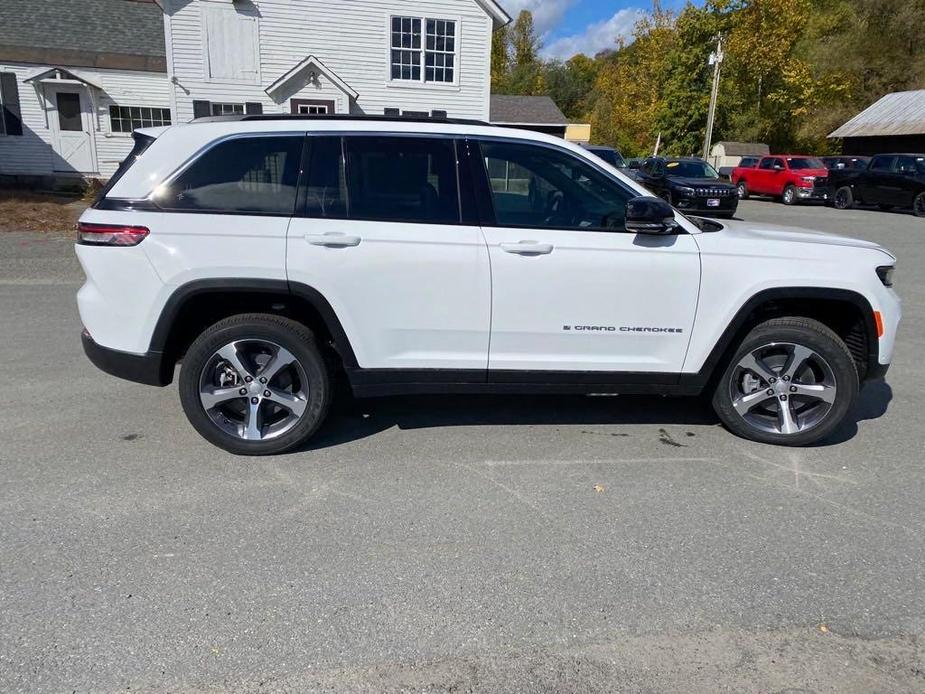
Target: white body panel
x: 574, y: 308
x: 413, y: 296
x: 34, y: 152
x: 422, y: 296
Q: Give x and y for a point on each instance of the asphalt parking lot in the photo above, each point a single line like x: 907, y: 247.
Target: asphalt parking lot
x: 453, y: 544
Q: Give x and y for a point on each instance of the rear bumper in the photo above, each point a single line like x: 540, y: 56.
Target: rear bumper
x: 146, y: 368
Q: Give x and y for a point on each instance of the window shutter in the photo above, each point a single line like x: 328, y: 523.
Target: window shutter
x: 9, y: 95
x: 202, y: 109
x: 253, y: 108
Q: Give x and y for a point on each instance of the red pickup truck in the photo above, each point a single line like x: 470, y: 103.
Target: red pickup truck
x: 789, y: 177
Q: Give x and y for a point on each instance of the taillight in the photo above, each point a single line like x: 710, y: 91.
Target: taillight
x: 110, y: 234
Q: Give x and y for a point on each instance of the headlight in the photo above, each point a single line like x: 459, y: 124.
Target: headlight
x: 684, y: 190
x: 885, y: 273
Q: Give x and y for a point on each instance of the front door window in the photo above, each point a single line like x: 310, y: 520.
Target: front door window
x: 69, y: 115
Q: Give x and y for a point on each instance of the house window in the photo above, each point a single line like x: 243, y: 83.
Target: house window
x: 125, y: 119
x: 219, y: 109
x: 423, y: 42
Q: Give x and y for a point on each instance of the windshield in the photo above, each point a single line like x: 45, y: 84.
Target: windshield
x: 806, y: 163
x: 611, y: 156
x: 690, y: 169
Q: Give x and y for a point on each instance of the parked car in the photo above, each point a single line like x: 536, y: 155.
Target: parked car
x: 890, y: 180
x: 789, y: 177
x: 271, y: 255
x: 608, y: 154
x: 845, y: 162
x: 744, y: 162
x: 690, y: 184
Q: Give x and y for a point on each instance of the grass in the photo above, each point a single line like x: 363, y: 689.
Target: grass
x: 47, y: 212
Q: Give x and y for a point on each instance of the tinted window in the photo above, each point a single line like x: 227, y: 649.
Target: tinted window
x: 540, y: 187
x: 243, y: 175
x: 748, y: 162
x: 402, y: 179
x: 805, y: 163
x: 691, y: 169
x: 767, y: 164
x: 907, y: 165
x: 884, y: 163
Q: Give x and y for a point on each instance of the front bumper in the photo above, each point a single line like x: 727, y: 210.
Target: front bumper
x: 820, y: 193
x: 149, y: 368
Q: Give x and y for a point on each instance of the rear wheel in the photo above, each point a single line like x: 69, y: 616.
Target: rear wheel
x: 742, y: 190
x: 791, y: 382
x: 843, y: 198
x: 255, y: 384
x: 918, y: 205
x: 790, y: 195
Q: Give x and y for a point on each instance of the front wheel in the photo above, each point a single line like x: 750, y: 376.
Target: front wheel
x: 843, y: 198
x: 742, y: 190
x: 255, y: 384
x: 791, y: 382
x: 918, y: 205
x: 790, y: 195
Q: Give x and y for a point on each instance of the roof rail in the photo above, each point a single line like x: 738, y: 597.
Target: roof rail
x: 336, y: 116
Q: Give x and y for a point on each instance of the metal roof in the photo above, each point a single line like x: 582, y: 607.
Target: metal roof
x: 899, y: 113
x: 738, y: 149
x: 525, y: 110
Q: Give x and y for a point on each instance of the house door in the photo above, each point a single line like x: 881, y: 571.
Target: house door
x: 311, y: 107
x: 72, y: 130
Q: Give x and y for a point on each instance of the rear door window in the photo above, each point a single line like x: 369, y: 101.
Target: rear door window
x: 244, y: 175
x: 383, y: 178
x: 882, y: 163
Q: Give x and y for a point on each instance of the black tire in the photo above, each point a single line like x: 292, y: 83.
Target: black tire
x: 843, y: 198
x: 789, y: 196
x: 742, y: 190
x: 289, y: 334
x: 806, y: 333
x: 918, y: 205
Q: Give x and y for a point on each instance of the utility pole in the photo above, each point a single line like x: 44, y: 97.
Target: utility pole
x: 716, y: 60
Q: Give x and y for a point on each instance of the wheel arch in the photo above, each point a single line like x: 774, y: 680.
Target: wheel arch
x: 194, y: 306
x: 848, y: 313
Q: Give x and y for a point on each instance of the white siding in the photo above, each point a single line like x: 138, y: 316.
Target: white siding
x: 31, y: 154
x: 351, y: 37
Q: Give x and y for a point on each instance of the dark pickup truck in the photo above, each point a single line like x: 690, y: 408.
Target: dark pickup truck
x: 890, y: 180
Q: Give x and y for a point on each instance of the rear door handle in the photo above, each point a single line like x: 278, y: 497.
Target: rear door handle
x: 333, y: 239
x: 527, y: 248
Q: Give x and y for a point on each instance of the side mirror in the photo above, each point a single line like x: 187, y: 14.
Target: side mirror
x: 778, y: 167
x: 650, y: 215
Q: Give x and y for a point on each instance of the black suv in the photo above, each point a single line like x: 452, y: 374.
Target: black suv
x: 690, y: 184
x: 890, y: 180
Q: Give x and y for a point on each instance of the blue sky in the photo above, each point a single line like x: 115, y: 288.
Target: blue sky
x: 583, y: 26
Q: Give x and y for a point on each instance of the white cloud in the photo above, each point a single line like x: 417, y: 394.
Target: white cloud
x: 596, y: 37
x: 546, y: 13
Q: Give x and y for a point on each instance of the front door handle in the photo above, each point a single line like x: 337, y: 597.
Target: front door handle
x: 527, y: 248
x: 333, y: 239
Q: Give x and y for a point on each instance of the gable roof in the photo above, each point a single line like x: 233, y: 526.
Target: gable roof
x: 309, y: 62
x: 88, y: 33
x: 498, y: 16
x: 525, y: 110
x: 899, y: 113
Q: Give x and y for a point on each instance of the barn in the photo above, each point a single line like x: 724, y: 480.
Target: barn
x: 895, y: 123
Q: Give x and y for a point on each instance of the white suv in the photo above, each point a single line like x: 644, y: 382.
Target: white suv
x: 270, y: 254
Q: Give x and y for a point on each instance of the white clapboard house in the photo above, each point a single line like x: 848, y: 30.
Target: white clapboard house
x: 78, y: 76
x: 311, y: 56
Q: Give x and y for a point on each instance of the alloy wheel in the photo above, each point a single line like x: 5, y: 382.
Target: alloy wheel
x: 842, y: 199
x: 253, y: 389
x: 783, y: 388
